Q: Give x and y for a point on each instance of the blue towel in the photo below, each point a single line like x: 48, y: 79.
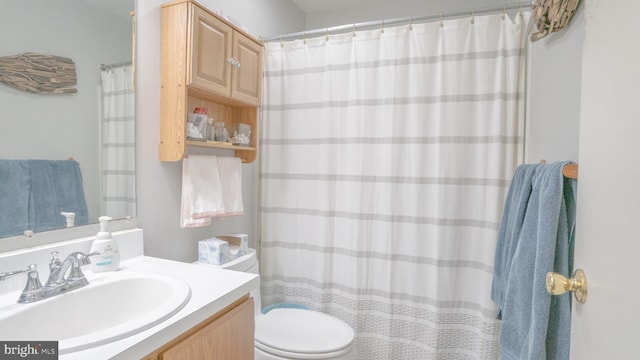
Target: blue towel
x: 15, y: 186
x: 56, y: 186
x: 535, y: 237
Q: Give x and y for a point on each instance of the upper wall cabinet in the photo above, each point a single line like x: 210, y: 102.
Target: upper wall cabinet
x: 223, y: 60
x: 206, y: 62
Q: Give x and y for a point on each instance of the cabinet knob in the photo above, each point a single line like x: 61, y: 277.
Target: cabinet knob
x: 233, y: 62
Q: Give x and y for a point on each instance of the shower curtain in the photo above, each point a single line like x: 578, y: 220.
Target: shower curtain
x: 386, y: 158
x: 118, y: 143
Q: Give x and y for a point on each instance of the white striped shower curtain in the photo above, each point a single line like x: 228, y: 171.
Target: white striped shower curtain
x: 386, y: 158
x: 118, y: 143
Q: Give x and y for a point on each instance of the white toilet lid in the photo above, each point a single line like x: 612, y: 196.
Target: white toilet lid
x: 302, y: 331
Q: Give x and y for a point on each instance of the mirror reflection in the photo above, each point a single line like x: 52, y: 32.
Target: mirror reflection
x: 91, y: 130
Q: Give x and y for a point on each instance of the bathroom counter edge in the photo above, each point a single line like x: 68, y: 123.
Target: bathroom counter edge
x: 212, y: 290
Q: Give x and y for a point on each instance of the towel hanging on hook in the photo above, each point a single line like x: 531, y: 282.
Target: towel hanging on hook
x: 569, y: 171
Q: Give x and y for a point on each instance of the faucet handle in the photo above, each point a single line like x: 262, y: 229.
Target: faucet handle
x: 76, y: 276
x: 80, y: 259
x: 8, y: 274
x: 31, y: 290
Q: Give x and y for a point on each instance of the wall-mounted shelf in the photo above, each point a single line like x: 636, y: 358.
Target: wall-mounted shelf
x: 219, y: 145
x: 206, y: 62
x: 246, y: 153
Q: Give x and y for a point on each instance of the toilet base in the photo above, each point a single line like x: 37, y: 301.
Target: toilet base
x: 261, y: 355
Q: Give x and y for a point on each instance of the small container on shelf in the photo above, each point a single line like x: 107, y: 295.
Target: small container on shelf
x: 241, y: 134
x: 211, y: 133
x: 197, y: 123
x: 220, y: 132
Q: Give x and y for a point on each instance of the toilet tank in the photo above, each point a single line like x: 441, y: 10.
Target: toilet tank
x: 246, y: 263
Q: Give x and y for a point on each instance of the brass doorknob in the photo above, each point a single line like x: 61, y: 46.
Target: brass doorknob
x: 558, y: 284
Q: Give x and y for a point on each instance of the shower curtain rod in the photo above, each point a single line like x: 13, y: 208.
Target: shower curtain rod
x: 115, y: 65
x: 398, y: 21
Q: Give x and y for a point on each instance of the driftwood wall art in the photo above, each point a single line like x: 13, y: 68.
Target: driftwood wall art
x: 551, y: 15
x: 39, y: 73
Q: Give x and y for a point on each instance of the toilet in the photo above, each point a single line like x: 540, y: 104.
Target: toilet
x: 290, y: 333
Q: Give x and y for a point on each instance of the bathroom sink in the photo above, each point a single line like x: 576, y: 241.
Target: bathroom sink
x: 113, y: 306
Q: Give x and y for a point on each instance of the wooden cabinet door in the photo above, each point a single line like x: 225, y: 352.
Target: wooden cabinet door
x: 211, y: 41
x: 226, y: 338
x: 247, y: 74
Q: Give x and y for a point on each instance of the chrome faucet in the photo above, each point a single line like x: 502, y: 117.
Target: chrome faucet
x: 64, y: 276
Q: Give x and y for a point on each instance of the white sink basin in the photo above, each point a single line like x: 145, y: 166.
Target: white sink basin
x: 113, y: 306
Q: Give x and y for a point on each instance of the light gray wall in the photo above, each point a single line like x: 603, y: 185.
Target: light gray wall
x: 553, y: 112
x: 372, y: 10
x: 45, y: 126
x: 159, y: 183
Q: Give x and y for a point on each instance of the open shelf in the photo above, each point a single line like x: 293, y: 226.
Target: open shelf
x: 219, y: 145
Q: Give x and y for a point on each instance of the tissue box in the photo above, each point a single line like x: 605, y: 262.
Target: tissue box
x: 238, y: 244
x: 213, y: 251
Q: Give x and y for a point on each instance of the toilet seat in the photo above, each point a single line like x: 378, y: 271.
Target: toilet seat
x: 302, y: 334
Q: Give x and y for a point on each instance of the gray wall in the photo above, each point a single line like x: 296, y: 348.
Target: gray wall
x: 373, y: 10
x: 44, y: 126
x: 159, y: 183
x: 554, y: 73
x: 553, y: 114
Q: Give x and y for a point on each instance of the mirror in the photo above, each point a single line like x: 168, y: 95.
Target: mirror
x: 62, y: 126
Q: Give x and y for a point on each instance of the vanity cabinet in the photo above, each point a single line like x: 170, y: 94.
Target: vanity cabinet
x: 226, y: 335
x: 206, y: 62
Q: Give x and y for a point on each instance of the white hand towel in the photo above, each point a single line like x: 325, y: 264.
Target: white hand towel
x: 202, y: 193
x: 230, y: 169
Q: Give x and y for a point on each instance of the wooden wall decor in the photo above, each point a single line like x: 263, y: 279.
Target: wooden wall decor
x: 39, y: 73
x: 551, y: 15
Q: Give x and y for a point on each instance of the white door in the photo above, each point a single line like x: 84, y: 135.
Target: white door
x: 607, y: 325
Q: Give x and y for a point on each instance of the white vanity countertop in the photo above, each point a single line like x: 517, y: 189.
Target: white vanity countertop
x: 212, y: 289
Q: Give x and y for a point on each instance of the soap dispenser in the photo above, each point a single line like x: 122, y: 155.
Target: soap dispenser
x: 109, y: 257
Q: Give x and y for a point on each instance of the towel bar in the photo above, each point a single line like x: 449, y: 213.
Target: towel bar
x: 569, y: 171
